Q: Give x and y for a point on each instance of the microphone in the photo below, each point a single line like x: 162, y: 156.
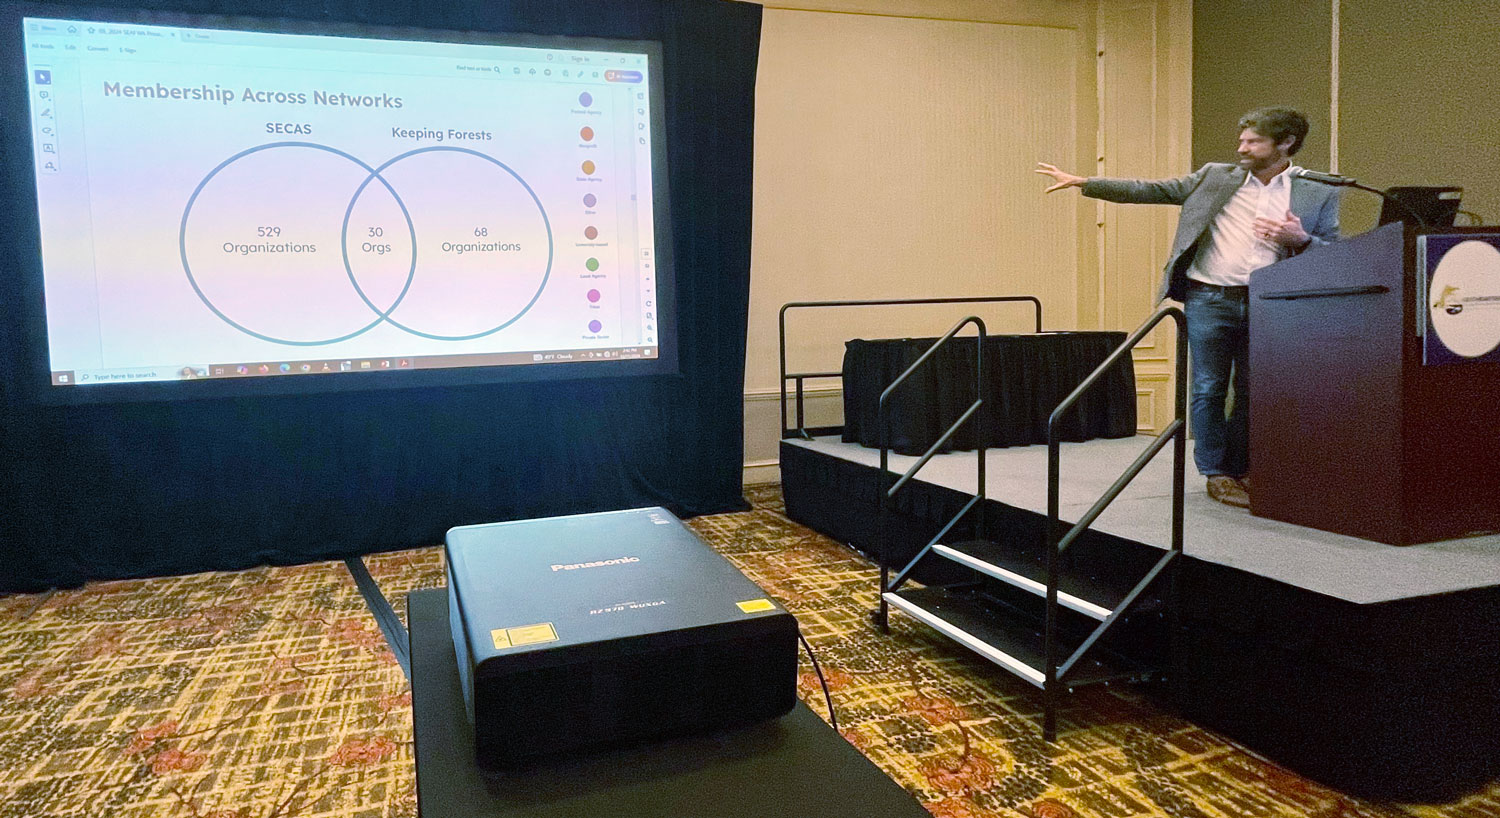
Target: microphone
x: 1326, y: 178
x: 1345, y: 181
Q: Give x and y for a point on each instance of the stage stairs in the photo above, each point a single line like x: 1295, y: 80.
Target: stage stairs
x: 1058, y: 617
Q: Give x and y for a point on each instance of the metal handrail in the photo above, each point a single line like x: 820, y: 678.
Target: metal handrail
x: 800, y: 377
x: 885, y: 495
x: 935, y: 447
x: 1140, y: 587
x: 801, y: 420
x: 1140, y: 462
x: 937, y: 538
x: 1057, y: 541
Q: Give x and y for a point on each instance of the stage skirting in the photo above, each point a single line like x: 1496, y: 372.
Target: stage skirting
x: 1025, y: 377
x: 1396, y: 698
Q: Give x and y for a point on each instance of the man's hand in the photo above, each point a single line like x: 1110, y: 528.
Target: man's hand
x: 1286, y: 231
x: 1062, y: 178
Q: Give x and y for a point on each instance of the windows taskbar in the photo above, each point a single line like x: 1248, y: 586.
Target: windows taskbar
x: 260, y: 369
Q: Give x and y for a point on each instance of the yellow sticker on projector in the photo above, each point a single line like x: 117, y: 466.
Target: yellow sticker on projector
x: 524, y: 635
x: 756, y: 605
x: 532, y: 634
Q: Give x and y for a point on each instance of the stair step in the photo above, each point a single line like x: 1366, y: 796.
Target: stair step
x: 1009, y: 638
x: 1075, y: 591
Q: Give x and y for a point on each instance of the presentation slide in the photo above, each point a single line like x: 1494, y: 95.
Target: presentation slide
x: 220, y: 204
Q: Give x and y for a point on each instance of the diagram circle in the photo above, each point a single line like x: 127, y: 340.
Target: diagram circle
x: 380, y: 315
x: 386, y: 315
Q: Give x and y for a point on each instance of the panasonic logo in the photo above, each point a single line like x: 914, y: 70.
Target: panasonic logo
x: 575, y: 566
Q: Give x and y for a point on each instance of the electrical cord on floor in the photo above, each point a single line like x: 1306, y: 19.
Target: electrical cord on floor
x: 833, y: 719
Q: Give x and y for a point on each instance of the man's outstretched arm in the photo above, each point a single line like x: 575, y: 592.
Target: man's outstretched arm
x: 1126, y: 191
x: 1062, y: 178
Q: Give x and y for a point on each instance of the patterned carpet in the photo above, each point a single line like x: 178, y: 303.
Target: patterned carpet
x: 271, y: 694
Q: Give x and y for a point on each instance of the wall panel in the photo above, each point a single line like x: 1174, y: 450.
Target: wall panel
x: 895, y: 144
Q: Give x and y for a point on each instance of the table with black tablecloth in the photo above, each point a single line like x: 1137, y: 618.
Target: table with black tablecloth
x: 1026, y: 377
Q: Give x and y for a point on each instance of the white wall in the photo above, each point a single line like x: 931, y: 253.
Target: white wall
x: 895, y: 142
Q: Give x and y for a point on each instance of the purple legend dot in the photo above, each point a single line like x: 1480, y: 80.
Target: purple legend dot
x: 593, y: 296
x: 585, y: 99
x: 595, y: 326
x: 589, y: 200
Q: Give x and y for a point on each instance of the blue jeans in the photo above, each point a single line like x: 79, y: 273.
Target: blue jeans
x: 1219, y: 342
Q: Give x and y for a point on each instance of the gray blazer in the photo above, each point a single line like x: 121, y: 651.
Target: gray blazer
x: 1202, y: 194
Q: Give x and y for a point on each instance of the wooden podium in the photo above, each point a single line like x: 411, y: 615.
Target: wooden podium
x: 1350, y: 431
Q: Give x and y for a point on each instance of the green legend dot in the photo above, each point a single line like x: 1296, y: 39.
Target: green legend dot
x: 592, y: 264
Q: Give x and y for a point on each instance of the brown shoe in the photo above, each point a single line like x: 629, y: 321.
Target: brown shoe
x: 1228, y: 491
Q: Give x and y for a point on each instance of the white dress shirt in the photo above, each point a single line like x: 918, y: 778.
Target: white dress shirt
x: 1231, y: 250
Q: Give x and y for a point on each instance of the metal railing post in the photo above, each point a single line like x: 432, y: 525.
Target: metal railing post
x: 1179, y: 467
x: 883, y: 616
x: 1056, y: 540
x: 883, y: 419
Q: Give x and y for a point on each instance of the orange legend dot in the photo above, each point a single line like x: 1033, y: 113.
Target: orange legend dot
x: 587, y: 133
x: 591, y: 232
x: 588, y: 167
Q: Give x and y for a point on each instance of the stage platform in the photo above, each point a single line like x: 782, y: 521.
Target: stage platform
x: 1370, y: 667
x: 1346, y: 568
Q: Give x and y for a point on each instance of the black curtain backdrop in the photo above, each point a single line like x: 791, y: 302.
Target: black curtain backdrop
x: 146, y: 489
x: 1025, y: 378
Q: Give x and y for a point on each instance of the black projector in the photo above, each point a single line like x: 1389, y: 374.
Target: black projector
x: 596, y: 630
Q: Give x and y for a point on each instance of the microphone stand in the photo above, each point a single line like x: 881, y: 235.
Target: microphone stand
x: 1347, y: 182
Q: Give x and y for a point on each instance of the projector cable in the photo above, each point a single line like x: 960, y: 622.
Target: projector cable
x: 396, y: 636
x: 833, y: 719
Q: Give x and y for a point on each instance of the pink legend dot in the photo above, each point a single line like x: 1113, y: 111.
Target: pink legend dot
x: 595, y: 326
x: 589, y: 200
x: 591, y: 233
x: 593, y: 296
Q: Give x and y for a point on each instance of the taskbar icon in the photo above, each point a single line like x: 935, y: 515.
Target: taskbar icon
x: 248, y: 369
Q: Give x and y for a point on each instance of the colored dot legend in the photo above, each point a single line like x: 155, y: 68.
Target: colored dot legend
x: 588, y: 168
x: 591, y: 232
x: 595, y: 326
x: 585, y: 99
x: 593, y: 296
x: 592, y: 264
x: 589, y: 200
x: 587, y: 134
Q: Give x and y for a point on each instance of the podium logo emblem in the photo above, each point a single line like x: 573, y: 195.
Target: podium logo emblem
x: 1447, y: 302
x: 1464, y: 311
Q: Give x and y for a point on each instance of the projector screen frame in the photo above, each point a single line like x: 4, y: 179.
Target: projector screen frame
x: 34, y: 371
